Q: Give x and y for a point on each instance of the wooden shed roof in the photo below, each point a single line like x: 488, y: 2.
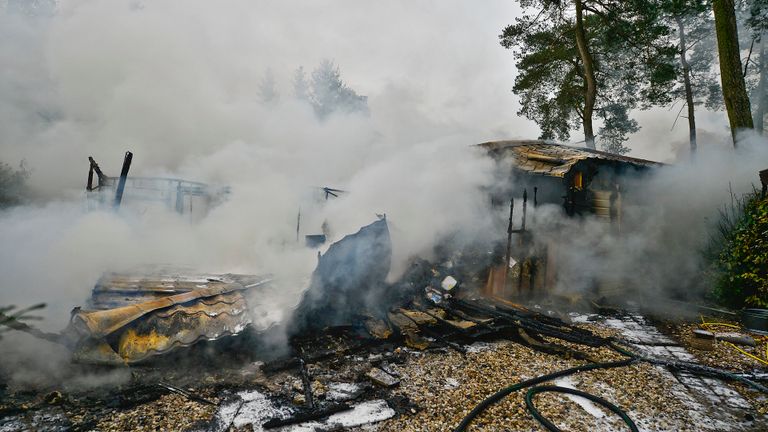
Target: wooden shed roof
x: 549, y: 159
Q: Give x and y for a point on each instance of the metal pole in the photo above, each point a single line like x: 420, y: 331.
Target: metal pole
x: 123, y: 177
x: 509, y: 237
x: 298, y: 224
x: 525, y: 205
x: 89, y: 186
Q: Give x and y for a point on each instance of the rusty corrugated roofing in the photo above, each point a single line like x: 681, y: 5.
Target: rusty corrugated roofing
x: 138, y: 315
x: 550, y: 159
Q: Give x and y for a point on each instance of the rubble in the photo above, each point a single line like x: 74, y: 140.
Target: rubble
x: 381, y: 378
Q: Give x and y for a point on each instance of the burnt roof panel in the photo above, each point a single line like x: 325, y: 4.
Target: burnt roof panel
x: 551, y: 159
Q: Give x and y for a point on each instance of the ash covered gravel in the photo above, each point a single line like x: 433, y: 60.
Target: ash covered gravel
x: 725, y: 356
x: 170, y: 412
x: 639, y: 389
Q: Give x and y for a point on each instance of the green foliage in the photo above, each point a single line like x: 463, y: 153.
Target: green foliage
x: 633, y: 62
x: 327, y: 93
x: 13, y: 184
x: 741, y: 259
x: 616, y: 126
x: 757, y: 20
x: 267, y: 89
x: 701, y: 50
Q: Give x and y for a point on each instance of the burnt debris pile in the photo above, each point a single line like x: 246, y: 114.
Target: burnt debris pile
x: 349, y: 278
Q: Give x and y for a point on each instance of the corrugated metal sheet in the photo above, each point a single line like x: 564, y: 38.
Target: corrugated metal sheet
x: 549, y: 159
x: 135, y: 316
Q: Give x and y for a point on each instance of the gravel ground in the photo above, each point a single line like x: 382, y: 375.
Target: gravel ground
x: 448, y: 385
x: 169, y: 413
x: 445, y: 385
x: 724, y: 355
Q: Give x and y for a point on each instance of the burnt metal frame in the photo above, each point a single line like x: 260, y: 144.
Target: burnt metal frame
x: 162, y: 185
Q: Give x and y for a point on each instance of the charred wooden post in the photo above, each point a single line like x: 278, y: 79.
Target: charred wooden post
x: 298, y: 224
x: 508, y: 258
x: 308, y: 397
x: 123, y: 176
x: 525, y: 206
x: 524, y: 258
x: 94, y: 167
x: 89, y: 185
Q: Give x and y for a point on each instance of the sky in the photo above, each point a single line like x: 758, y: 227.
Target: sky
x: 176, y: 80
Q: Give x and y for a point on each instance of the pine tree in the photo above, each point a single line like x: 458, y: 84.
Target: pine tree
x: 579, y: 59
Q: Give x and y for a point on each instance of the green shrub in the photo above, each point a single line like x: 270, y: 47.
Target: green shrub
x: 741, y: 261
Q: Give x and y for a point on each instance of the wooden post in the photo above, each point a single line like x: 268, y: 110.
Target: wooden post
x: 508, y: 258
x: 123, y: 176
x: 523, y: 258
x: 525, y: 205
x: 298, y: 224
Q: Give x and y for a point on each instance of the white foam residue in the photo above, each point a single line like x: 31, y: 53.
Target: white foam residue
x: 584, y: 403
x: 578, y: 318
x: 340, y: 391
x: 363, y: 413
x: 254, y: 408
x: 479, y: 347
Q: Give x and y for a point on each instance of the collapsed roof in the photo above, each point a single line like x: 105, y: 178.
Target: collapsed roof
x: 540, y: 157
x: 132, y: 317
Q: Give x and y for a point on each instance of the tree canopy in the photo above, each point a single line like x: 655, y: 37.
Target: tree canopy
x: 584, y: 58
x: 326, y: 92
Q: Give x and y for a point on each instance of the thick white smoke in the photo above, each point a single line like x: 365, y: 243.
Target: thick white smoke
x: 668, y: 220
x: 177, y: 83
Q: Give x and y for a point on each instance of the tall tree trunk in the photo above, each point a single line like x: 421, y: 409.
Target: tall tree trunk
x: 734, y: 90
x: 762, y: 89
x: 688, y: 89
x: 590, y: 95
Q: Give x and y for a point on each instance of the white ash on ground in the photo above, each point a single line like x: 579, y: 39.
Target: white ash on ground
x: 651, y: 397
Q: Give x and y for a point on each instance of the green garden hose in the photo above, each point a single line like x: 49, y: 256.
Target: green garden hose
x: 598, y: 400
x: 631, y: 358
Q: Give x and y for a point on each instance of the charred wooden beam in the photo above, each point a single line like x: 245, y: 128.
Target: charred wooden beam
x: 437, y: 336
x: 123, y: 176
x: 186, y: 394
x: 308, y: 396
x: 94, y: 167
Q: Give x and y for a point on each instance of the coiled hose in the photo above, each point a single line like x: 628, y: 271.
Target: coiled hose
x: 631, y: 358
x: 551, y: 426
x: 501, y: 394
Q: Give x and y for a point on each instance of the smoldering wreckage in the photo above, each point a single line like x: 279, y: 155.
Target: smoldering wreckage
x: 357, y: 341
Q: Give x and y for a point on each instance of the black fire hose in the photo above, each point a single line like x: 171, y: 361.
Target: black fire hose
x: 631, y: 358
x: 551, y: 426
x: 501, y: 394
